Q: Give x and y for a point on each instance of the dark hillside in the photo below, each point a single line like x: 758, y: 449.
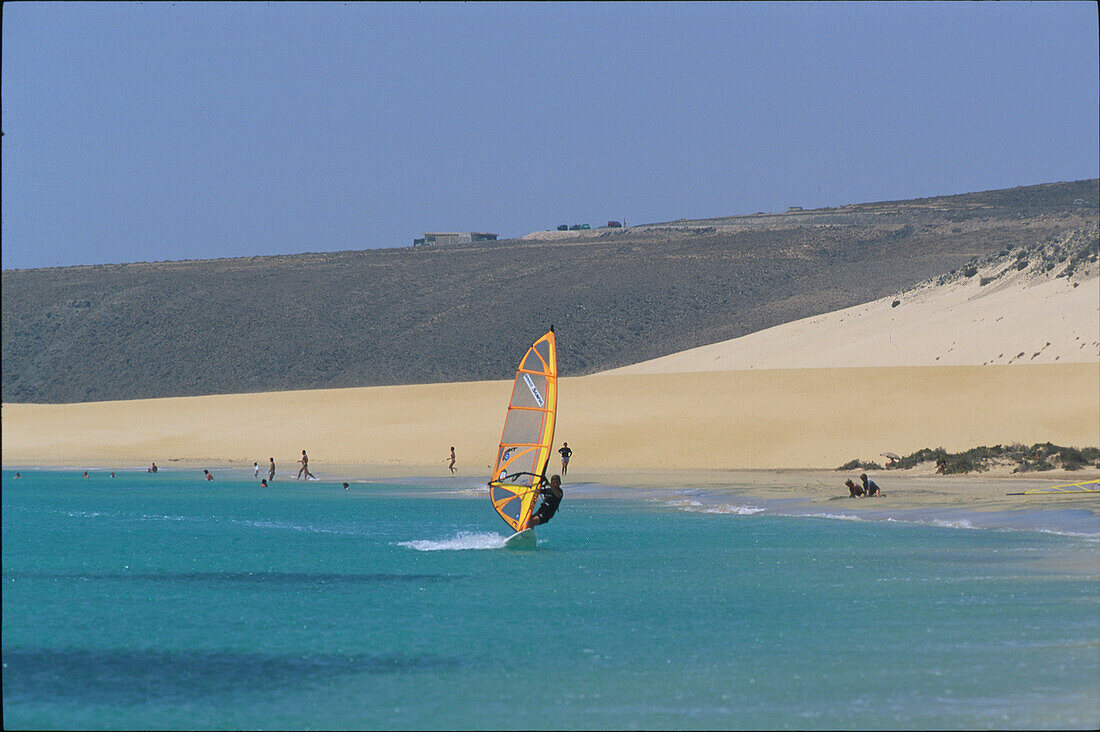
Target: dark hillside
x: 466, y: 312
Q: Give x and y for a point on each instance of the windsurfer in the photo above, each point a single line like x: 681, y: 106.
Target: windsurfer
x: 551, y: 497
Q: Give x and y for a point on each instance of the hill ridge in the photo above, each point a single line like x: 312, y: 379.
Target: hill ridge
x: 458, y: 312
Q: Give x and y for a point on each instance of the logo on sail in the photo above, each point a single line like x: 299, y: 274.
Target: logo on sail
x: 534, y: 391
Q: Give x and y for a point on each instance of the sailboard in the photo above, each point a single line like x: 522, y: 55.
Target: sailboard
x: 524, y: 450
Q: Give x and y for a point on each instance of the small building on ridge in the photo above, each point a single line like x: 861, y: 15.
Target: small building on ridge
x: 453, y: 237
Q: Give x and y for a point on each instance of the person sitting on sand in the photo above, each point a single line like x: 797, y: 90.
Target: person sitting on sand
x: 856, y: 491
x: 551, y: 497
x: 207, y: 474
x: 871, y: 487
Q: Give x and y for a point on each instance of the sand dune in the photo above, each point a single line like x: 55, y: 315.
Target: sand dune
x: 1018, y: 318
x: 953, y: 366
x: 798, y: 418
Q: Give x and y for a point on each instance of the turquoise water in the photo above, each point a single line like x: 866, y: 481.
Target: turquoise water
x: 166, y: 602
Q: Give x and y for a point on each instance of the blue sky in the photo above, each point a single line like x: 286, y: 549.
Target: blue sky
x: 146, y: 132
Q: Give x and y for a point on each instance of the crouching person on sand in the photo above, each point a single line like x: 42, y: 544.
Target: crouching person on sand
x: 870, y: 487
x: 856, y: 491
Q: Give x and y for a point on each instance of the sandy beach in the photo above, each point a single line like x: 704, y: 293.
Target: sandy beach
x: 938, y: 370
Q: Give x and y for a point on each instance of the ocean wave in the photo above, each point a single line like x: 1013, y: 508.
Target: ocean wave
x: 833, y: 516
x: 292, y: 526
x: 479, y: 492
x: 724, y: 508
x: 462, y: 540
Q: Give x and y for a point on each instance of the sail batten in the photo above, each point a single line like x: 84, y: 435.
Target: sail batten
x: 525, y: 442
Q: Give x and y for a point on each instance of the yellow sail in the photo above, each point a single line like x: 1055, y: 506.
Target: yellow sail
x: 528, y: 433
x: 1089, y: 486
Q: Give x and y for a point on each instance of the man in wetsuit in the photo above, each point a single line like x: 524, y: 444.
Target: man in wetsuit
x: 551, y: 497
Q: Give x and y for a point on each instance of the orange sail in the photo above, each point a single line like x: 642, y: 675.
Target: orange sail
x: 524, y: 450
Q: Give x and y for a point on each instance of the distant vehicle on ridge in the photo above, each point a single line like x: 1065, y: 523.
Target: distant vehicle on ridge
x: 579, y: 227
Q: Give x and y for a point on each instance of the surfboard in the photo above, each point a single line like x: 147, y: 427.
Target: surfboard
x: 522, y: 540
x: 524, y: 450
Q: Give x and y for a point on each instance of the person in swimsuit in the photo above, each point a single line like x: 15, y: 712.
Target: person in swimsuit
x: 565, y: 453
x: 271, y: 470
x: 305, y: 467
x: 551, y: 497
x: 452, y: 463
x: 855, y: 490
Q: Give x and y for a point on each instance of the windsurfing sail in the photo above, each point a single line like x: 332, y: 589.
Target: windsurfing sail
x: 524, y: 449
x: 1089, y: 486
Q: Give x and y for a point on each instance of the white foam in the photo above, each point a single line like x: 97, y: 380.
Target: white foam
x: 952, y: 524
x: 730, y: 508
x: 462, y: 540
x: 834, y: 516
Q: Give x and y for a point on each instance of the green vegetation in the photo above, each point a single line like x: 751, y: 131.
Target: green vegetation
x: 1040, y: 456
x: 461, y: 312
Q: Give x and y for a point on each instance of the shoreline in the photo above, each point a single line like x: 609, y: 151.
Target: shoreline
x: 911, y: 496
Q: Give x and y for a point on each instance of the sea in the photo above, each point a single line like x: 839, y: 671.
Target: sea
x: 164, y: 601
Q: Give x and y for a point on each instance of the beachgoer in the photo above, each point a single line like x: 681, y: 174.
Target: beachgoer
x: 871, y: 487
x: 17, y: 475
x: 565, y: 453
x: 207, y: 474
x: 305, y: 467
x: 345, y: 486
x: 263, y: 482
x: 255, y: 470
x: 153, y: 469
x: 271, y: 470
x: 112, y: 473
x: 85, y: 474
x: 452, y: 458
x: 551, y: 497
x: 855, y: 490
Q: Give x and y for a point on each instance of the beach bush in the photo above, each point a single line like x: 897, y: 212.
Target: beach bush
x: 1037, y: 457
x: 858, y: 464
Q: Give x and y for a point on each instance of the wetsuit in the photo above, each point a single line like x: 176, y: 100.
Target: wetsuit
x: 549, y: 506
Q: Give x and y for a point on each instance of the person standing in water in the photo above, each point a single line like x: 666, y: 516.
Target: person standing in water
x: 255, y: 470
x: 551, y: 498
x: 565, y: 453
x: 451, y: 465
x: 305, y: 467
x: 271, y: 469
